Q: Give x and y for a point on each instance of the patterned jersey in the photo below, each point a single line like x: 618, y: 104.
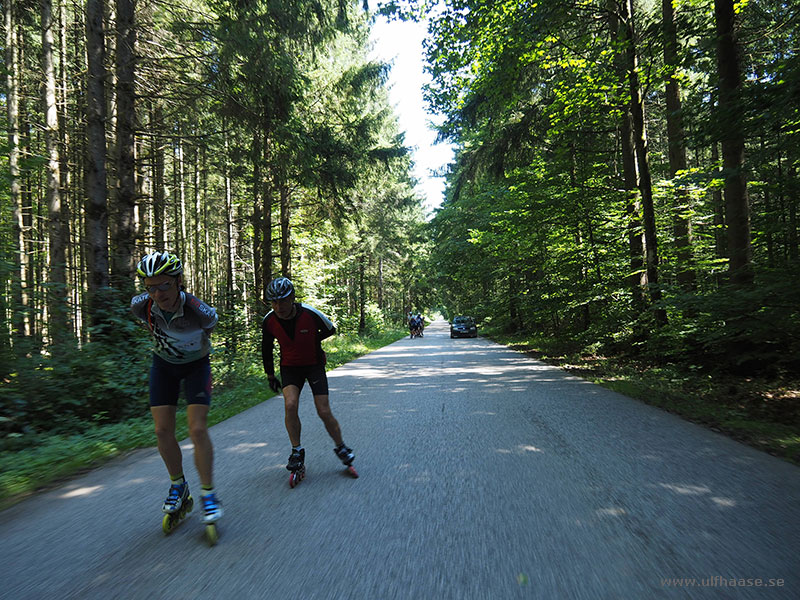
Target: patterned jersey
x: 183, y: 338
x: 300, y: 338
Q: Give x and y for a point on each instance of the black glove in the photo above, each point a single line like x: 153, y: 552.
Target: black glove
x: 274, y: 383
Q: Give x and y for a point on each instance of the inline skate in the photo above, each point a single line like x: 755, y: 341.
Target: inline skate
x: 296, y: 467
x: 346, y: 455
x: 176, y: 507
x: 212, y: 511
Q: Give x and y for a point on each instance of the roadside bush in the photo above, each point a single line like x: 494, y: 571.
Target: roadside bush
x: 72, y: 387
x: 754, y: 330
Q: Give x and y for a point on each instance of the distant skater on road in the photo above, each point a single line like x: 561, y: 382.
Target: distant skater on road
x: 299, y: 329
x: 180, y: 325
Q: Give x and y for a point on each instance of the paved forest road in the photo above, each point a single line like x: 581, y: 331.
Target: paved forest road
x: 484, y: 474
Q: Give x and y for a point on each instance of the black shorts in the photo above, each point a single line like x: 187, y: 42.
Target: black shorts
x: 166, y: 377
x: 317, y: 378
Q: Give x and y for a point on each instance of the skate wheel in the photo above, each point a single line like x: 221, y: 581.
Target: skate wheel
x: 212, y: 537
x: 168, y: 523
x: 297, y: 476
x: 352, y: 471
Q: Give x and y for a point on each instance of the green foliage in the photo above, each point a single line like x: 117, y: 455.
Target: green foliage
x: 536, y: 233
x: 374, y: 317
x: 736, y: 330
x: 71, y: 388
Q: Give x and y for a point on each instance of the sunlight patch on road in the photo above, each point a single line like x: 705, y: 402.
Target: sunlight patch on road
x: 365, y: 372
x: 724, y: 502
x: 84, y: 491
x: 246, y: 447
x: 651, y: 457
x: 519, y: 449
x: 686, y: 490
x: 525, y: 448
x: 423, y: 477
x: 611, y: 512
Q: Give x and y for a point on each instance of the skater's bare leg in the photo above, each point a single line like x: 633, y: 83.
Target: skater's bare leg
x: 291, y: 402
x: 197, y: 415
x: 331, y: 424
x: 168, y: 447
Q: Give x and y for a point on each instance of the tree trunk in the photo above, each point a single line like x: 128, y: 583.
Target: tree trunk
x: 720, y: 239
x: 286, y: 245
x: 65, y: 125
x: 362, y: 296
x: 20, y: 322
x: 259, y: 284
x: 731, y: 130
x: 96, y: 178
x: 637, y: 280
x: 183, y: 245
x: 791, y: 199
x: 266, y: 222
x: 381, y: 299
x: 123, y: 267
x: 642, y: 162
x: 56, y: 293
x: 230, y: 256
x: 197, y: 231
x: 676, y: 137
x: 159, y: 173
x: 208, y: 275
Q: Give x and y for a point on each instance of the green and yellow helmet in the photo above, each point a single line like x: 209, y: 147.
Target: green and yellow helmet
x: 159, y: 263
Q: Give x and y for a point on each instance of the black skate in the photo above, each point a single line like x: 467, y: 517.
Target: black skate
x: 345, y: 454
x: 296, y: 467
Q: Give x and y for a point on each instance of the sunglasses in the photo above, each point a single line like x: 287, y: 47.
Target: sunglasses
x: 161, y: 287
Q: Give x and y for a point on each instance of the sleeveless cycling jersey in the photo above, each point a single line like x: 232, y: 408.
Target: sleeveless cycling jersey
x: 299, y: 338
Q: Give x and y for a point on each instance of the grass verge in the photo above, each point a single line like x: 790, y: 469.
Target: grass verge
x: 58, y: 457
x: 763, y: 413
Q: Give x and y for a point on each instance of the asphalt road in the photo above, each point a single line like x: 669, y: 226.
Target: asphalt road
x: 484, y: 474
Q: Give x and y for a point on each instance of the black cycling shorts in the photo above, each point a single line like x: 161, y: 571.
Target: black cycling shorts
x: 315, y: 374
x: 166, y: 377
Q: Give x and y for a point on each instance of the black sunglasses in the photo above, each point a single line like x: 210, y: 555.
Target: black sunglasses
x: 161, y: 287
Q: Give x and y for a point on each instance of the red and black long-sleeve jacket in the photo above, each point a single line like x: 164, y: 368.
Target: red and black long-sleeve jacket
x: 300, y: 338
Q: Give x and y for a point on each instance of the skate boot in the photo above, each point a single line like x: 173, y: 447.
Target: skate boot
x: 212, y: 508
x: 297, y: 467
x: 178, y: 493
x: 177, y: 506
x: 212, y: 511
x: 345, y: 454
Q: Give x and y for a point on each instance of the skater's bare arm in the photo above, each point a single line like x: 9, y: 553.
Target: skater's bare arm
x: 267, y: 345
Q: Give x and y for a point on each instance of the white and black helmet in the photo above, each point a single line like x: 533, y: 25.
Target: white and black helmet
x: 159, y: 263
x: 279, y: 288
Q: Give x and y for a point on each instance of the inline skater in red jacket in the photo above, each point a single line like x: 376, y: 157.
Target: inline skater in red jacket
x: 299, y: 329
